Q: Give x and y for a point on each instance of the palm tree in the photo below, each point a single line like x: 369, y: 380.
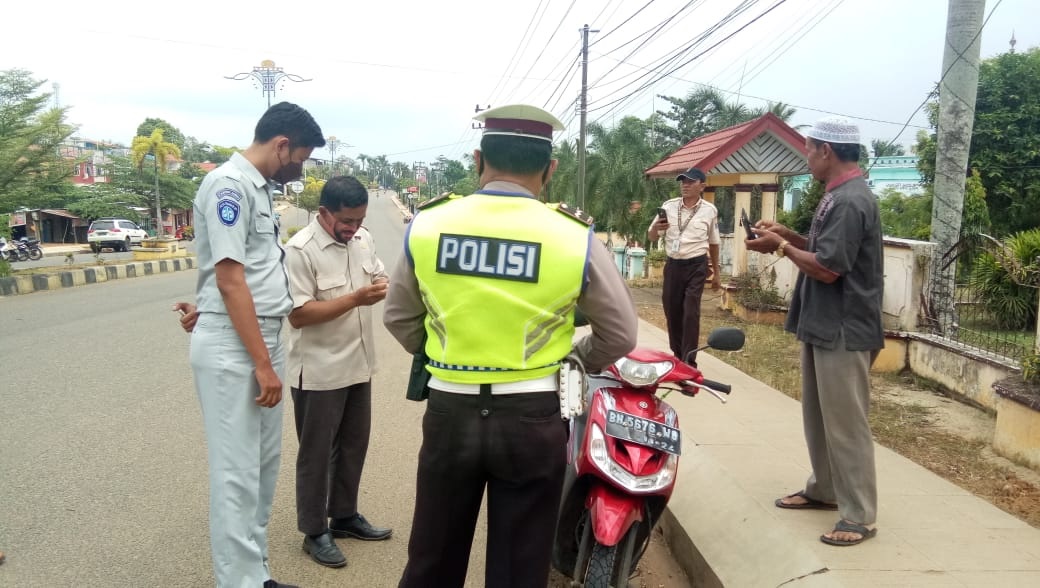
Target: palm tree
x: 159, y: 150
x: 364, y: 159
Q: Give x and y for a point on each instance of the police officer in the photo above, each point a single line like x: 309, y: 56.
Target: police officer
x: 237, y: 351
x: 492, y: 280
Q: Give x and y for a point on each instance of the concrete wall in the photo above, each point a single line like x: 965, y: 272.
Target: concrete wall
x: 906, y: 266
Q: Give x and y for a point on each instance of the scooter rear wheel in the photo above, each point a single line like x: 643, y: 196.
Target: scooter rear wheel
x: 35, y: 253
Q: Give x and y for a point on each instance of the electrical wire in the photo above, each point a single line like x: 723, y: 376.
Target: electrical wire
x: 510, y: 65
x: 546, y: 45
x: 623, y: 23
x: 678, y: 53
x: 616, y: 103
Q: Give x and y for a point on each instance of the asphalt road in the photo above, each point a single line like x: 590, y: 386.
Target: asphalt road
x: 102, y: 455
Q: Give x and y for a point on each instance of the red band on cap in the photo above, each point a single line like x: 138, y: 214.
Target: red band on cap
x: 528, y: 127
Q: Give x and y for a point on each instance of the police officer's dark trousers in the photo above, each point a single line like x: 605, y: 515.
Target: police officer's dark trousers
x: 515, y: 445
x: 681, y: 297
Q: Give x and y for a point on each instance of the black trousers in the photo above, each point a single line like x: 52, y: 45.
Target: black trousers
x: 681, y: 297
x: 515, y: 445
x: 333, y: 428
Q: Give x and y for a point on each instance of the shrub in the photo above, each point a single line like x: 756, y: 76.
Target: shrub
x: 5, y: 268
x: 1006, y: 280
x: 754, y: 295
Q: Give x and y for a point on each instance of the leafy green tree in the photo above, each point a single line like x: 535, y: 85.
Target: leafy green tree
x: 31, y: 170
x: 908, y: 217
x: 800, y: 219
x: 169, y: 132
x: 454, y: 172
x: 1005, y: 145
x: 883, y: 148
x: 101, y: 200
x: 311, y: 196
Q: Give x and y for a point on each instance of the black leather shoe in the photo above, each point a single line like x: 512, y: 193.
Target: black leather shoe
x: 324, y: 550
x: 358, y: 528
x: 273, y: 584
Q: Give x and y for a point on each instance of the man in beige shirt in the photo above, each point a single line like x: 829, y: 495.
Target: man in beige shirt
x: 691, y: 238
x: 335, y: 278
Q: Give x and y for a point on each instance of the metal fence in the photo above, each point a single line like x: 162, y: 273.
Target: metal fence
x: 959, y: 308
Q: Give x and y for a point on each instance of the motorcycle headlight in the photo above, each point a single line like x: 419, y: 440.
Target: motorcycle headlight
x: 627, y: 480
x: 638, y: 373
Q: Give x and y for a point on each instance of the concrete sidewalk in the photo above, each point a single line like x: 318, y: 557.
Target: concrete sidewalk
x: 739, y: 457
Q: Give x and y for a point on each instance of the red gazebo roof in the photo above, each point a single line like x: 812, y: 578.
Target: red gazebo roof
x: 765, y: 142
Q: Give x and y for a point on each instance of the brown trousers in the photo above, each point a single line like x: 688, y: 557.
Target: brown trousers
x: 681, y: 297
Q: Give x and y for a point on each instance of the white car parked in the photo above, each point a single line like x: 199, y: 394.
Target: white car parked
x: 117, y: 233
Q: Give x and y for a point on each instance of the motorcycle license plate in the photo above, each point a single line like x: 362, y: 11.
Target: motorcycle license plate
x: 629, y: 427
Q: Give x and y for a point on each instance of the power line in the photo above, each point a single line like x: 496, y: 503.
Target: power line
x: 794, y: 38
x: 623, y: 23
x: 505, y: 72
x: 689, y: 61
x: 649, y: 35
x: 547, y: 43
x: 679, y: 52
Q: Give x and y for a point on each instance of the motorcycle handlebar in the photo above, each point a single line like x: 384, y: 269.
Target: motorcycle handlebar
x: 717, y: 386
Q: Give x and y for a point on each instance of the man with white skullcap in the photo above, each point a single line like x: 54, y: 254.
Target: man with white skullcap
x: 491, y: 282
x: 836, y: 314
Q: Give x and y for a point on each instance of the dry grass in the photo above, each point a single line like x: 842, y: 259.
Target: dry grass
x: 771, y: 355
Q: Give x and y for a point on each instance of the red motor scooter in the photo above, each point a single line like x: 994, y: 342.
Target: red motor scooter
x: 623, y: 456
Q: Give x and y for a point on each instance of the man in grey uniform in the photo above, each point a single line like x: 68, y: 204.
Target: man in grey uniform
x: 237, y: 353
x: 836, y: 314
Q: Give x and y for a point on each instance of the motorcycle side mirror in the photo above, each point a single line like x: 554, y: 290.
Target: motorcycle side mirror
x: 579, y: 318
x: 726, y: 339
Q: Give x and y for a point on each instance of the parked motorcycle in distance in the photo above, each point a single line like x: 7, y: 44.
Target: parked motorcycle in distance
x: 622, y: 460
x: 31, y: 247
x: 12, y: 252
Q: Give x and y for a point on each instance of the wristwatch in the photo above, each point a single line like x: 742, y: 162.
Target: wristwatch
x: 780, y: 248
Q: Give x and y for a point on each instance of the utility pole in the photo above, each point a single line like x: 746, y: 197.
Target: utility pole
x: 583, y: 112
x: 957, y: 93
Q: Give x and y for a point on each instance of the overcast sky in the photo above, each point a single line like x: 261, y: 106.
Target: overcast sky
x: 401, y: 77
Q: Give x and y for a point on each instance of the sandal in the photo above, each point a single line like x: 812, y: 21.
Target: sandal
x: 844, y: 526
x: 810, y: 503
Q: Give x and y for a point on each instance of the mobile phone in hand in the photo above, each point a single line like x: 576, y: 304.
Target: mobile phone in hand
x: 661, y: 214
x: 747, y: 224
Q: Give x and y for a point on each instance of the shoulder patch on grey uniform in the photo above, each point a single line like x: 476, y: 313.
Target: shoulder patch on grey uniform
x: 438, y: 200
x: 228, y: 210
x: 574, y: 213
x: 229, y: 193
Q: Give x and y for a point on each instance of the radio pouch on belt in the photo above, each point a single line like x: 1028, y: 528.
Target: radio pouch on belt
x: 419, y: 376
x: 573, y: 387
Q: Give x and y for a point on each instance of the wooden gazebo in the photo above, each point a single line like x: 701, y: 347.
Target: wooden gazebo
x: 751, y: 158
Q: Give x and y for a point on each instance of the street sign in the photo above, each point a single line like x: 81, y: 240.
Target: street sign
x: 295, y: 186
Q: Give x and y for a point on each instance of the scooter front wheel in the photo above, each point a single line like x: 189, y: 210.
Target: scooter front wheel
x: 610, y: 567
x: 35, y: 253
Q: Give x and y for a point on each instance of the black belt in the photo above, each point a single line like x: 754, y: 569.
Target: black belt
x: 689, y: 260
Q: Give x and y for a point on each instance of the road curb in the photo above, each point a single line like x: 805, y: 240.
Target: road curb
x: 27, y: 284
